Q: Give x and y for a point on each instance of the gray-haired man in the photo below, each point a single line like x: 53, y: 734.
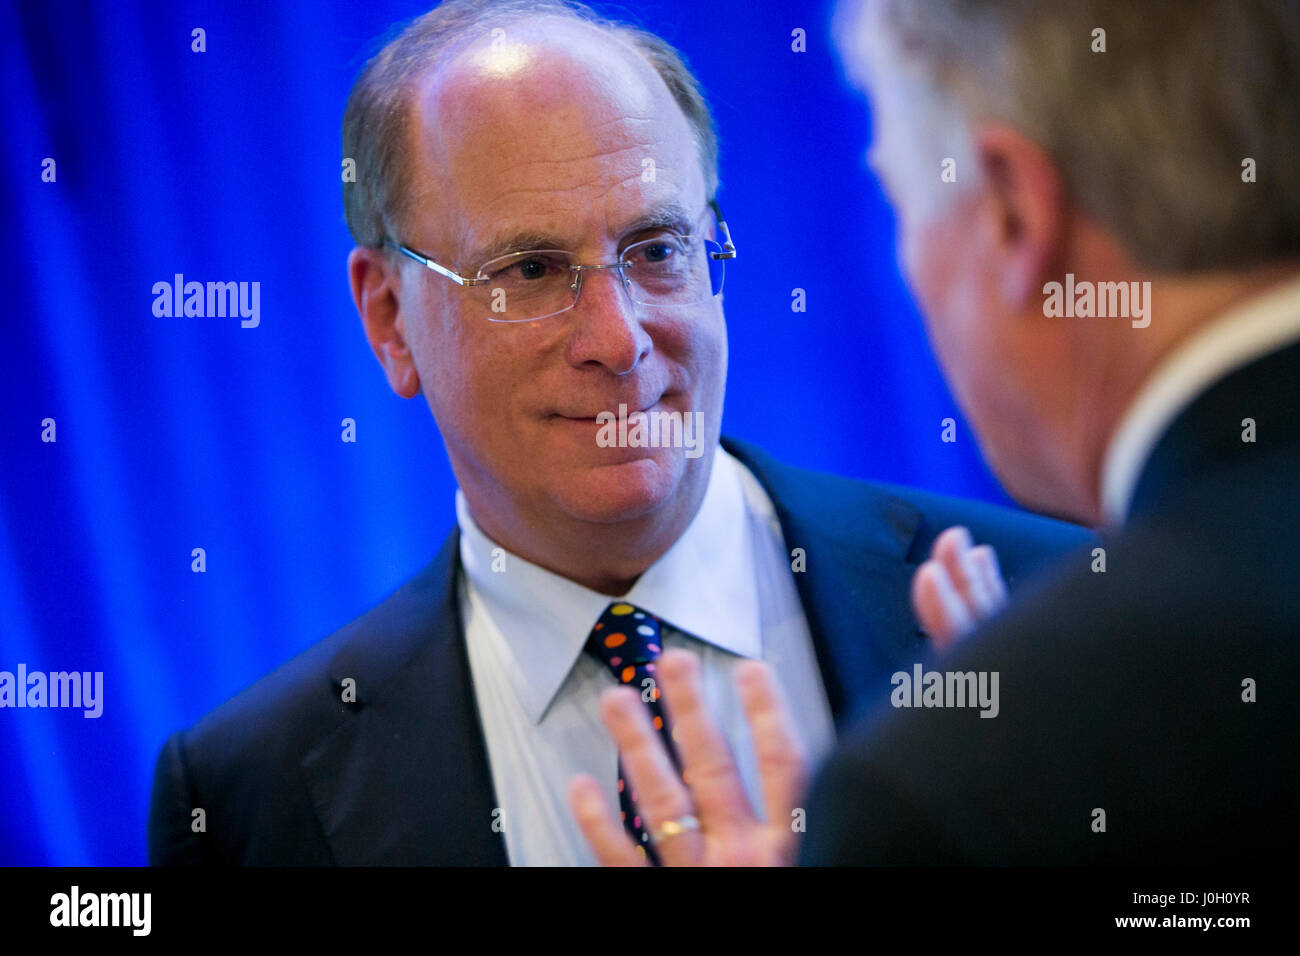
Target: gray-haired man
x: 1148, y: 706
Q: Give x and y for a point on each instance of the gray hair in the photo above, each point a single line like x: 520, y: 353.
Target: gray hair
x: 1150, y: 136
x: 375, y: 133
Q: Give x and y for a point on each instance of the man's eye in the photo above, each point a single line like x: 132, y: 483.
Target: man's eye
x: 657, y: 252
x: 531, y: 269
x: 526, y: 270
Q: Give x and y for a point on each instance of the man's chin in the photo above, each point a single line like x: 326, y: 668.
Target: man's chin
x: 622, y: 490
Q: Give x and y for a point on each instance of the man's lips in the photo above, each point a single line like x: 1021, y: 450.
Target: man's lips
x: 610, y: 410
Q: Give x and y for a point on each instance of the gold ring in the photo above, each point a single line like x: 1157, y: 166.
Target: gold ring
x: 674, y: 828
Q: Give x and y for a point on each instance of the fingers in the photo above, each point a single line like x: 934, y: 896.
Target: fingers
x: 602, y: 829
x: 952, y: 549
x: 782, y: 761
x: 986, y: 561
x: 940, y: 610
x: 710, y: 787
x: 707, y: 763
x: 660, y: 794
x: 974, y: 572
x: 958, y: 588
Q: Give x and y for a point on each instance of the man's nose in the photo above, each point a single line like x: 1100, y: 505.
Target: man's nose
x: 606, y: 324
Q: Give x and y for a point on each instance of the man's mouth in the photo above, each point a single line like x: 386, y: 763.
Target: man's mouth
x: 627, y: 408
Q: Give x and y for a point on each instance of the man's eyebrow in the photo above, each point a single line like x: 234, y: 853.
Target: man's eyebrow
x: 504, y: 245
x: 668, y: 215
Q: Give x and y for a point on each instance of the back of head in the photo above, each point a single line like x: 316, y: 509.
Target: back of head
x: 1175, y: 125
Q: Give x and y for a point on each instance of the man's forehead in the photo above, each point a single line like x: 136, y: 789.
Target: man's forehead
x: 546, y: 132
x: 543, y: 64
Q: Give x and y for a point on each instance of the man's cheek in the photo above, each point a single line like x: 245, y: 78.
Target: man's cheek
x: 710, y: 349
x: 923, y: 268
x: 909, y: 260
x: 936, y: 285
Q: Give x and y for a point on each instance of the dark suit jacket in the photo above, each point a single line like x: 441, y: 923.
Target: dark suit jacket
x: 288, y: 774
x: 1120, y: 690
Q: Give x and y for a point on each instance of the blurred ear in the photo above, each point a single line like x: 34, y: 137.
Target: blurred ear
x: 375, y: 288
x: 1027, y: 204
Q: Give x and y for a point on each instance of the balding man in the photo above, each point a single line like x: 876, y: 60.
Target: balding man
x: 559, y: 311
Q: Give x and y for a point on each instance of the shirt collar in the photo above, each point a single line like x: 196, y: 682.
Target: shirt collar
x: 1256, y: 327
x: 705, y: 584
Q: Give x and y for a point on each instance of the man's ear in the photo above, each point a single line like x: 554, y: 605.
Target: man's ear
x: 375, y: 286
x: 1028, y: 209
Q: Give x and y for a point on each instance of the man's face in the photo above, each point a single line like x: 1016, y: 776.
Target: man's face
x: 572, y: 142
x: 954, y: 259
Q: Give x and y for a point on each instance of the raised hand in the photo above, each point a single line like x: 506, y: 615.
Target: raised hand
x: 706, y: 820
x: 958, y: 588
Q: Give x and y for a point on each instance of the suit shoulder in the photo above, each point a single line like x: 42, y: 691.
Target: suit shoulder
x: 1107, y: 674
x: 300, y: 700
x: 852, y: 505
x: 943, y: 511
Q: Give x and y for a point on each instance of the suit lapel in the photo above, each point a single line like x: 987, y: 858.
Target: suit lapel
x: 405, y: 779
x: 856, y: 584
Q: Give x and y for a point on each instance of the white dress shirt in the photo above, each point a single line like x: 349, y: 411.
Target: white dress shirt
x: 724, y: 590
x: 1254, y: 328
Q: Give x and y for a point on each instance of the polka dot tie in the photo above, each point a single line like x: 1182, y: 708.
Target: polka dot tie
x: 626, y: 640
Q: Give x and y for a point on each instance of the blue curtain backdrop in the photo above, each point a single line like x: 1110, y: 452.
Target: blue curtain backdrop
x: 177, y: 433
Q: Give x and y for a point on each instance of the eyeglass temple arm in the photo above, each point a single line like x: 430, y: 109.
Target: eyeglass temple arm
x: 430, y: 264
x: 728, y: 247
